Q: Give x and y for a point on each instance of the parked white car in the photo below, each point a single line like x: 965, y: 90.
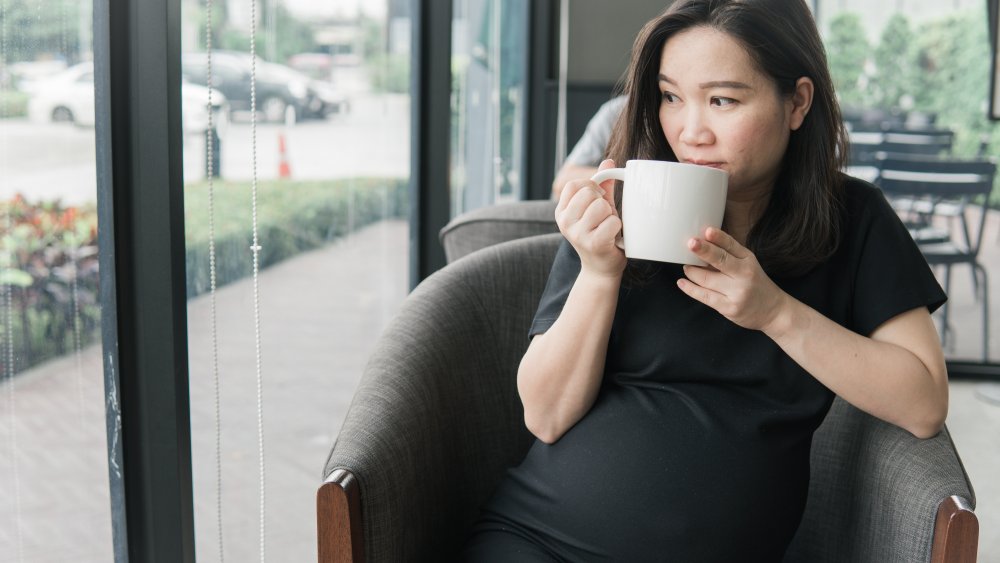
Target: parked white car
x: 69, y: 97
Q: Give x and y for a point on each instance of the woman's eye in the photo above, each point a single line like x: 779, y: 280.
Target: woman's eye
x: 722, y: 102
x: 669, y: 98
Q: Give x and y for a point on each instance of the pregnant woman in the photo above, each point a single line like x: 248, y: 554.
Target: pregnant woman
x: 675, y: 406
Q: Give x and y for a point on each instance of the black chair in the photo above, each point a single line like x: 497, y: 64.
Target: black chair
x: 880, y: 118
x: 956, y: 184
x: 865, y: 142
x: 922, y: 141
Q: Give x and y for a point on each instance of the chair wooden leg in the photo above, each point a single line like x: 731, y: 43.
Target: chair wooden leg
x: 956, y: 532
x: 338, y: 519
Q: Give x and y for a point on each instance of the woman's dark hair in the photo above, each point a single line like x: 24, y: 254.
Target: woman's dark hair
x: 800, y: 227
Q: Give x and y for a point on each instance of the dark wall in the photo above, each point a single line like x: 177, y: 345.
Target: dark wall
x: 600, y: 40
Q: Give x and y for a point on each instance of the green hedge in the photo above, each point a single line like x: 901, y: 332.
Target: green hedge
x: 48, y: 263
x: 14, y: 104
x: 48, y: 259
x: 291, y: 217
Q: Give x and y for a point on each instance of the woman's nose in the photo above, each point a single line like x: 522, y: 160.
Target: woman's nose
x: 695, y: 130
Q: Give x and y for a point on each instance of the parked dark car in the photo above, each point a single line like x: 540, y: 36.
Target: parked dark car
x: 322, y: 99
x: 279, y: 96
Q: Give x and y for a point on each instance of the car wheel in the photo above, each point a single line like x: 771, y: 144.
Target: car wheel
x: 274, y: 110
x: 62, y: 115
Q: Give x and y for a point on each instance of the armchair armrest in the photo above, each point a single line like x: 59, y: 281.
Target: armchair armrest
x: 877, y: 493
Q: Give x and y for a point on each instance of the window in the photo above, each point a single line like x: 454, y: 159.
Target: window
x: 921, y: 71
x: 488, y: 99
x: 331, y: 169
x: 53, y: 465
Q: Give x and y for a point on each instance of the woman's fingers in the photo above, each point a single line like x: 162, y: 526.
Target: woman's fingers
x: 595, y: 212
x: 567, y: 193
x: 706, y: 278
x: 581, y: 198
x: 609, y: 229
x: 707, y: 296
x: 726, y: 242
x: 719, y: 250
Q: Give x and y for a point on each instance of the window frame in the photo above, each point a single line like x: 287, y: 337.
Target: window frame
x: 137, y: 83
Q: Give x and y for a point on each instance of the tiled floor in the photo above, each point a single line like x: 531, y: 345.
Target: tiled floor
x: 321, y: 313
x: 974, y: 422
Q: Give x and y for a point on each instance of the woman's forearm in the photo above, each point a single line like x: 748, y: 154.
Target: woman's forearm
x: 897, y: 375
x: 561, y: 372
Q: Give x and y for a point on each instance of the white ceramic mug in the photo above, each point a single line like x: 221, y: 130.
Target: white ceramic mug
x: 666, y: 204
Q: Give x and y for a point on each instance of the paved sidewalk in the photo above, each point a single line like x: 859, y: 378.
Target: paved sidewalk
x: 320, y: 315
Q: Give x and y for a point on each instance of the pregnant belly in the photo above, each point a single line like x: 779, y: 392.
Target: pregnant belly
x: 650, y: 475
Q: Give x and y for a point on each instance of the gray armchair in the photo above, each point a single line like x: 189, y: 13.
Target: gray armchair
x: 487, y: 226
x: 436, y: 421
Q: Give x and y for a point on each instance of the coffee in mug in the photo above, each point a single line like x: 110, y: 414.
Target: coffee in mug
x: 665, y: 204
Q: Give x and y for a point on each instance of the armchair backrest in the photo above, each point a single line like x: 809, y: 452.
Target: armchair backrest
x: 491, y: 225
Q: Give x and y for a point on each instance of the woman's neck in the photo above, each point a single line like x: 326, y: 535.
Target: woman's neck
x: 742, y: 213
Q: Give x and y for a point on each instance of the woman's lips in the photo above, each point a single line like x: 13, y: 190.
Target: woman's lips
x: 708, y: 163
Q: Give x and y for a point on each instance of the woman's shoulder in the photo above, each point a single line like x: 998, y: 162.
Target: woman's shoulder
x: 857, y: 188
x: 861, y: 198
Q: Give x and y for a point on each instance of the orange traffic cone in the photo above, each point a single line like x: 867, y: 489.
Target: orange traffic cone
x: 284, y: 170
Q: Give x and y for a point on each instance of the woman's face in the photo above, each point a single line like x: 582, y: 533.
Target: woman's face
x: 718, y: 110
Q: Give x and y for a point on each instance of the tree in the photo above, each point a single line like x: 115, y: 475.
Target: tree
x: 954, y: 60
x: 895, y: 64
x: 847, y: 50
x: 36, y: 32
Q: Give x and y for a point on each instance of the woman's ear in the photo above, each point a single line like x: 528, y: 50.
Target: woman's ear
x: 801, y: 101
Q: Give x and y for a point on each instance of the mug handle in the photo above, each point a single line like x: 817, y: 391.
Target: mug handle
x: 609, y: 174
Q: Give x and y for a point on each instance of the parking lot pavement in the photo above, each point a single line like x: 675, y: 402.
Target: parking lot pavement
x: 45, y: 161
x: 372, y: 140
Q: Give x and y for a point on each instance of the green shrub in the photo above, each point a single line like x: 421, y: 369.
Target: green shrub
x: 13, y: 104
x: 847, y: 48
x: 48, y: 263
x: 291, y: 217
x: 896, y: 73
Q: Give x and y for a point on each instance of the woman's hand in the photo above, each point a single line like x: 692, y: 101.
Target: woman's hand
x: 587, y: 217
x: 735, y: 285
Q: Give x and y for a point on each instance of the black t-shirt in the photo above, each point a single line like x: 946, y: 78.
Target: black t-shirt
x: 697, y: 447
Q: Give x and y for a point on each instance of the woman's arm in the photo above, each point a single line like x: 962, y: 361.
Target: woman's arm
x: 561, y: 372
x: 896, y: 374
